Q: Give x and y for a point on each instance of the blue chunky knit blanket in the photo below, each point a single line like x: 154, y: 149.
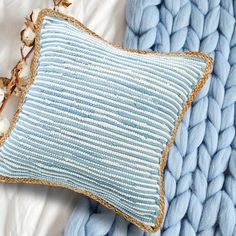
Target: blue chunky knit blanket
x: 200, y: 175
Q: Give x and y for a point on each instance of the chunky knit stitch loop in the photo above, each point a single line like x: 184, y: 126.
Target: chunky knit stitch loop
x: 142, y: 31
x: 200, y: 174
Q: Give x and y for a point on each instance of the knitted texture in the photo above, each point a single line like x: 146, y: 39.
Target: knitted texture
x: 200, y: 175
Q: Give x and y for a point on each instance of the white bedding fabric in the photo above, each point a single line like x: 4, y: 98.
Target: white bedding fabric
x: 28, y: 210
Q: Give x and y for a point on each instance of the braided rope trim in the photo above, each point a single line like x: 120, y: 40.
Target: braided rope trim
x: 33, y: 70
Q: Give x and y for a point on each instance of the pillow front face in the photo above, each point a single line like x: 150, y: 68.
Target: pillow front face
x: 100, y: 120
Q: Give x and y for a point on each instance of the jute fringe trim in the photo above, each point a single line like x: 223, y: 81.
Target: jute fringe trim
x: 195, y: 91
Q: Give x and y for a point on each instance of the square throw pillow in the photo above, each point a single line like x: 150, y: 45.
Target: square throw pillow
x: 99, y: 119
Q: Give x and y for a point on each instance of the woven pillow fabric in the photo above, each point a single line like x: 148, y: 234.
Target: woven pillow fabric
x: 99, y: 119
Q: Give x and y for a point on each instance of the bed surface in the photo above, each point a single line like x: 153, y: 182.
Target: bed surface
x: 29, y: 210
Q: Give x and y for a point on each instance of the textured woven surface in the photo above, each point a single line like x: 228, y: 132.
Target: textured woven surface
x: 200, y: 175
x: 99, y: 119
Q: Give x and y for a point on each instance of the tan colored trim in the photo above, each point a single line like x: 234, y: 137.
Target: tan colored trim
x: 201, y: 82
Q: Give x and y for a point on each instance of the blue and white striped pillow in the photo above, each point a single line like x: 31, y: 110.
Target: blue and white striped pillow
x: 100, y: 120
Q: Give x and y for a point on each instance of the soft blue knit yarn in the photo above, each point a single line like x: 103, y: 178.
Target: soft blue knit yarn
x: 200, y: 175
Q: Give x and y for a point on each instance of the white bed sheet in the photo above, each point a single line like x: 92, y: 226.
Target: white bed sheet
x: 29, y: 210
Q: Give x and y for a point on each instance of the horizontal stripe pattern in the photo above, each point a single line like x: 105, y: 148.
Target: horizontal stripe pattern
x: 98, y: 118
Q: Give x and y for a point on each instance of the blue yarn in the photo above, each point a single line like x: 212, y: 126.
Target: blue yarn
x: 200, y: 174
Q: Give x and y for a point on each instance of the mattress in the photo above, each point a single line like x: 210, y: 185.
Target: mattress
x: 29, y: 210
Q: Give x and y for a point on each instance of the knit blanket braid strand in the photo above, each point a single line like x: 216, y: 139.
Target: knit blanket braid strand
x: 207, y: 149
